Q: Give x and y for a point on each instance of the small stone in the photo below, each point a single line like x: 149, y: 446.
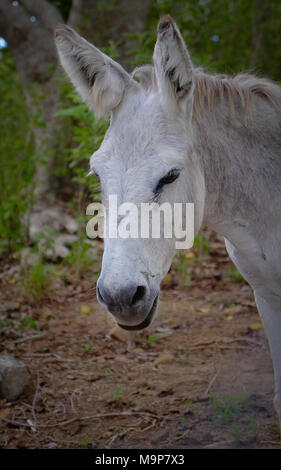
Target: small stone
x: 9, y: 306
x: 160, y: 436
x: 14, y: 376
x: 29, y: 258
x: 52, y: 445
x: 165, y: 358
x: 60, y: 247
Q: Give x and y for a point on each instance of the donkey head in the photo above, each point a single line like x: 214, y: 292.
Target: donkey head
x: 146, y: 156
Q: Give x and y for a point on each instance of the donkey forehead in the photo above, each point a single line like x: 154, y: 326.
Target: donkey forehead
x: 128, y: 157
x: 140, y: 135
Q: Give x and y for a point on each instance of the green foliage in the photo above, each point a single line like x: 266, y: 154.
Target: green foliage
x: 227, y: 407
x: 16, y: 156
x: 35, y: 281
x: 201, y: 244
x: 216, y: 30
x: 153, y: 337
x: 182, y: 266
x: 182, y: 354
x: 85, y: 442
x: 85, y: 137
x: 79, y: 258
x: 28, y: 322
x: 234, y: 275
x: 233, y: 412
x: 46, y: 240
x: 117, y: 394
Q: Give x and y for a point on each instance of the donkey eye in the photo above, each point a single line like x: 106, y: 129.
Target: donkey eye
x: 169, y: 178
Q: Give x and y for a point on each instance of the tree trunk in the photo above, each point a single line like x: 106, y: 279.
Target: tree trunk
x: 32, y: 46
x: 28, y: 27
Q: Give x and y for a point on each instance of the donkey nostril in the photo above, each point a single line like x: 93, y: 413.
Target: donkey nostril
x: 139, y: 294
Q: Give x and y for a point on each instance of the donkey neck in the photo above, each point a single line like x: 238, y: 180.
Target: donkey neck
x: 239, y: 156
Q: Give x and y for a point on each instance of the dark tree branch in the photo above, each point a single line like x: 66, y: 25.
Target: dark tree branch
x: 47, y: 13
x: 30, y: 43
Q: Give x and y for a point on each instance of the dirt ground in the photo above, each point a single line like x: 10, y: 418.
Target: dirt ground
x: 199, y: 377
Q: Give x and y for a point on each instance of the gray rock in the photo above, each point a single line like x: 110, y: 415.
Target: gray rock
x: 29, y: 258
x: 12, y: 271
x: 60, y: 247
x: 54, y: 219
x: 14, y: 377
x: 9, y: 307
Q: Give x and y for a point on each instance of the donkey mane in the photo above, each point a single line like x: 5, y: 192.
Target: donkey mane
x: 213, y: 89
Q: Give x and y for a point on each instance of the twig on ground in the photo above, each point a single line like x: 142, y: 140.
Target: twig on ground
x: 183, y: 435
x: 61, y: 404
x: 78, y: 418
x: 211, y: 382
x: 123, y: 433
x: 59, y: 358
x: 30, y: 338
x: 33, y: 412
x: 214, y: 444
x: 212, y: 344
x: 77, y: 390
x: 271, y: 442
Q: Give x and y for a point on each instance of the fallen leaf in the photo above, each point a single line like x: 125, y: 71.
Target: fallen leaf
x: 203, y: 309
x: 117, y: 333
x: 248, y: 303
x: 4, y: 413
x: 165, y: 358
x: 167, y: 279
x: 232, y: 310
x: 85, y: 309
x: 47, y: 314
x: 256, y: 326
x: 229, y: 318
x: 175, y: 322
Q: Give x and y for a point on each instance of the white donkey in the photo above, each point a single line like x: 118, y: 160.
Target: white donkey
x: 180, y: 135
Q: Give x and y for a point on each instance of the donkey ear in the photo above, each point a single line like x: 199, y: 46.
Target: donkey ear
x: 98, y: 79
x: 173, y: 66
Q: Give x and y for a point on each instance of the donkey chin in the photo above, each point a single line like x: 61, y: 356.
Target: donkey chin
x: 135, y: 317
x: 147, y: 320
